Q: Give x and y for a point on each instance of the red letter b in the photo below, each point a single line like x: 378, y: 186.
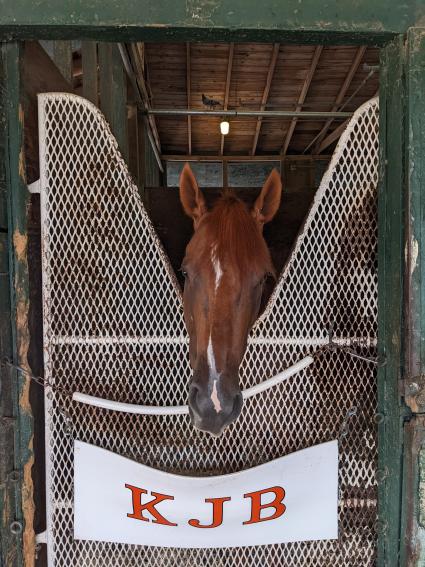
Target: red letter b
x: 257, y: 507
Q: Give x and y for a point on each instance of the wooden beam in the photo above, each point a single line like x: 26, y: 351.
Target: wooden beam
x: 239, y: 158
x: 113, y: 92
x: 333, y: 136
x: 301, y: 98
x: 392, y: 302
x: 17, y: 433
x: 89, y: 66
x: 225, y: 164
x: 129, y: 65
x: 133, y: 141
x: 360, y: 22
x: 340, y: 97
x: 139, y: 57
x: 227, y: 88
x: 62, y: 55
x: 265, y: 96
x: 188, y: 91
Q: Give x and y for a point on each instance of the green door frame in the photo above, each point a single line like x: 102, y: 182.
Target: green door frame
x: 401, y: 212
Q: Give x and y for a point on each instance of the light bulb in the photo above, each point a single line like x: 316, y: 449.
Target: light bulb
x: 224, y: 127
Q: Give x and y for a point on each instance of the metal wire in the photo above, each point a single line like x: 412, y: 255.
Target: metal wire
x: 113, y: 327
x: 307, y: 114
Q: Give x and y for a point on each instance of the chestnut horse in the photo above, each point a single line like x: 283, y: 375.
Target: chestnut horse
x: 225, y: 266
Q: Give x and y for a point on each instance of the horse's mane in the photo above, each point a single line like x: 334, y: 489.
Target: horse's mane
x: 235, y: 236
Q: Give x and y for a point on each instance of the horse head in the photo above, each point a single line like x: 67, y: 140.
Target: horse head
x: 225, y: 266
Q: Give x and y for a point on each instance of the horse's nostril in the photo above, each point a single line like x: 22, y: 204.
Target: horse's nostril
x: 193, y: 392
x: 237, y: 406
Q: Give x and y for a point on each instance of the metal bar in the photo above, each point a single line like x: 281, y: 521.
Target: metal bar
x: 136, y: 88
x: 227, y: 90
x: 178, y: 410
x: 265, y: 96
x: 248, y: 113
x: 303, y: 94
x: 243, y: 158
x: 129, y: 340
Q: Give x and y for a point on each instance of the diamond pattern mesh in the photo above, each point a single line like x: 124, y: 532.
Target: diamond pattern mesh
x: 113, y: 327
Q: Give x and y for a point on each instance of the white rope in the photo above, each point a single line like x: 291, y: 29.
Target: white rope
x: 177, y: 410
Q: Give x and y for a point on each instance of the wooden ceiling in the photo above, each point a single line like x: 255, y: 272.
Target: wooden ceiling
x: 256, y: 76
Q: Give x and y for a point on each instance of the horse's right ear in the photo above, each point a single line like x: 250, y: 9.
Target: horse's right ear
x: 191, y: 196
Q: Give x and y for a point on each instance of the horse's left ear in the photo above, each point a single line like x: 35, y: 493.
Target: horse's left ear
x: 191, y: 196
x: 268, y: 201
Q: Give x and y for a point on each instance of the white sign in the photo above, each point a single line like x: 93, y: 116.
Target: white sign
x: 293, y: 498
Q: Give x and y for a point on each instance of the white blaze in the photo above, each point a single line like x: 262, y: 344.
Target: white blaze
x: 210, y: 356
x: 217, y: 268
x: 214, y: 398
x: 211, y: 363
x: 218, y: 272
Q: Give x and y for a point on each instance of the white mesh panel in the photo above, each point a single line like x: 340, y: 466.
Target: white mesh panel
x: 113, y: 327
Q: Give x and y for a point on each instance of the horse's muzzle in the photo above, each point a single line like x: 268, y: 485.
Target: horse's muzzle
x: 212, y: 412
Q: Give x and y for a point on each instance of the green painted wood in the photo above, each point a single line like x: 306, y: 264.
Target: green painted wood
x: 390, y: 301
x: 90, y: 71
x: 414, y: 511
x: 17, y: 208
x: 415, y: 153
x: 355, y: 21
x: 420, y: 509
x: 62, y: 56
x: 113, y: 93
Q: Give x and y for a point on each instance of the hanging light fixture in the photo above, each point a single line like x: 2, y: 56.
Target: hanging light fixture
x: 224, y: 127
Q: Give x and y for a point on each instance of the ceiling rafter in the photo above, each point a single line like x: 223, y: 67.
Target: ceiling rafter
x: 188, y: 91
x: 340, y: 97
x: 306, y: 85
x: 227, y: 88
x: 265, y: 96
x: 333, y: 136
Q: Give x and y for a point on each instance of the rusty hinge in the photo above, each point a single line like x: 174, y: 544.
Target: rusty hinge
x: 414, y: 393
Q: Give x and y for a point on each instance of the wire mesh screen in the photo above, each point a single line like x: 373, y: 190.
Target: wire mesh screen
x: 113, y: 327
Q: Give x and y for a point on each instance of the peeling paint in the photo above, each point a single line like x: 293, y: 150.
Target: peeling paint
x: 395, y: 340
x: 20, y: 244
x: 201, y: 11
x: 22, y: 164
x: 414, y: 251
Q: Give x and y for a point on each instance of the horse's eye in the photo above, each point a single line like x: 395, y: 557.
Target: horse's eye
x: 184, y: 272
x: 263, y: 280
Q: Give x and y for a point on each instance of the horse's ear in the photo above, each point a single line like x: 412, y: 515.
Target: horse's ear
x: 191, y: 196
x: 268, y: 201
